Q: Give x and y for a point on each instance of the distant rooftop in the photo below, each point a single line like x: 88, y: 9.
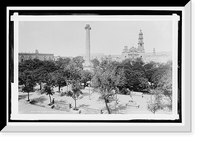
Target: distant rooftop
x: 94, y: 54
x: 36, y: 52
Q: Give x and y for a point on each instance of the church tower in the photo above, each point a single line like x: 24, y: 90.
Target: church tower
x: 141, y: 43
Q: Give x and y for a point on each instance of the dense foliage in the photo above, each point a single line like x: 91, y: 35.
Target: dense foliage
x: 106, y: 75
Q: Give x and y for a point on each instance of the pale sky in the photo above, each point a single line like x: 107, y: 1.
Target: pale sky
x: 67, y: 38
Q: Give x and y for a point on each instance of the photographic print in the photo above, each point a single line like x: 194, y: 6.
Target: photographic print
x: 116, y: 66
x: 99, y: 69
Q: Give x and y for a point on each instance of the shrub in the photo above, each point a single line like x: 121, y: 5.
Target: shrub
x: 69, y: 93
x: 153, y: 107
x: 156, y: 103
x: 124, y: 91
x: 63, y: 94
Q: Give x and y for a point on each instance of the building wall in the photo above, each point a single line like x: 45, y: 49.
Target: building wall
x: 161, y: 57
x: 27, y: 56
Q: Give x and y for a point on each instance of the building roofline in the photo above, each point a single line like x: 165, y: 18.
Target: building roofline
x: 34, y: 54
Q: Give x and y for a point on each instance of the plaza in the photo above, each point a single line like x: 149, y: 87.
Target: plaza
x: 85, y: 104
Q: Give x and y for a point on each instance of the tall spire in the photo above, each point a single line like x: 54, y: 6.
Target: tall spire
x: 140, y: 42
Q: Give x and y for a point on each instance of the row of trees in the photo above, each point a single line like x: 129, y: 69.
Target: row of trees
x: 106, y: 75
x: 134, y: 74
x: 53, y: 74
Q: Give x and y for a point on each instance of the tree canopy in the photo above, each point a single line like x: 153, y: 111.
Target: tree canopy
x: 130, y: 73
x: 106, y: 75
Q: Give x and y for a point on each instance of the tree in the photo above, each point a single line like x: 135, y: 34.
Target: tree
x: 62, y: 62
x: 162, y: 80
x: 49, y: 91
x: 27, y: 79
x: 49, y: 66
x: 135, y: 78
x: 26, y: 65
x: 95, y: 62
x: 78, y: 61
x: 118, y: 76
x: 41, y: 72
x: 76, y: 92
x: 156, y: 103
x: 107, y: 76
x: 40, y: 76
x: 150, y: 69
x: 85, y: 76
x: 72, y: 72
x: 38, y: 68
x: 104, y: 64
x: 48, y: 88
x: 165, y: 82
x: 58, y: 77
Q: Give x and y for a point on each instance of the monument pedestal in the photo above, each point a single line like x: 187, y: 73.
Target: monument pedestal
x: 87, y: 68
x: 87, y: 65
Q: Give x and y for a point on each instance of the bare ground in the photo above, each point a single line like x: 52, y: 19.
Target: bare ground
x: 89, y: 103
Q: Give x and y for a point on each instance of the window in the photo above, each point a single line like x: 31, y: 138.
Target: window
x: 22, y: 58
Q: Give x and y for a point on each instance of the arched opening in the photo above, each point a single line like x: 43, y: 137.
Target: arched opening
x: 22, y: 58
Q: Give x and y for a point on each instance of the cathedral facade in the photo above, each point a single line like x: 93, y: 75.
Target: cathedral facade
x: 134, y: 52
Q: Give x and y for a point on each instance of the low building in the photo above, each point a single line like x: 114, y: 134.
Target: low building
x: 36, y: 55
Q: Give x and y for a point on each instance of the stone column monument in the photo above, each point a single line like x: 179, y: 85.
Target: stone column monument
x: 87, y: 60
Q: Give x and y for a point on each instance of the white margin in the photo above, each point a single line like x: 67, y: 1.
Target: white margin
x: 91, y: 18
x: 74, y: 8
x: 77, y: 127
x: 95, y: 8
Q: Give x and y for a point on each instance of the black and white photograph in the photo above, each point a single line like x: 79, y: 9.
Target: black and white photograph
x: 121, y: 65
x: 95, y: 67
x: 102, y: 67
